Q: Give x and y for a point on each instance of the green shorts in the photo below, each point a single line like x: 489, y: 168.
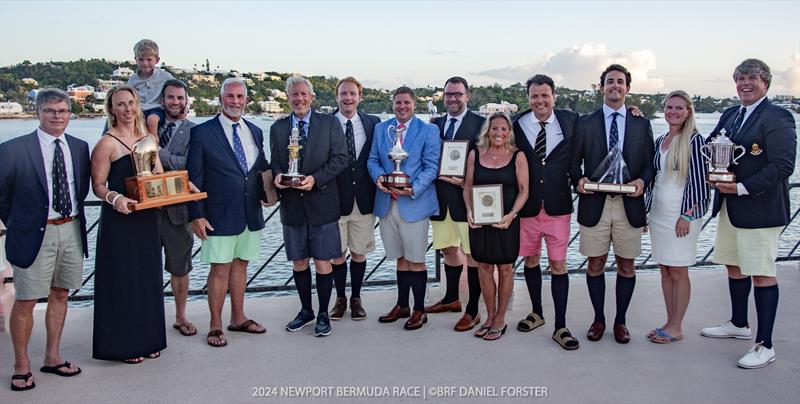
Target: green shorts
x: 245, y: 246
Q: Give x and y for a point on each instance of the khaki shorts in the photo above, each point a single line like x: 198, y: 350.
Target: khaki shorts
x: 448, y: 233
x: 403, y: 239
x: 613, y: 227
x: 754, y: 251
x: 357, y: 232
x: 59, y: 263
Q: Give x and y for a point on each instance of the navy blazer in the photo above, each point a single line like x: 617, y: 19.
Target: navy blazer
x: 549, y: 181
x: 233, y: 202
x: 24, y: 204
x: 355, y: 185
x: 451, y: 197
x: 770, y: 141
x: 590, y: 148
x: 324, y: 158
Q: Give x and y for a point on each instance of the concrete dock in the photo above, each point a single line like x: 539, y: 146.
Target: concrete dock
x: 369, y: 362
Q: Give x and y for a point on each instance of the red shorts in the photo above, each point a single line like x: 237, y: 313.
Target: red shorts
x: 554, y: 230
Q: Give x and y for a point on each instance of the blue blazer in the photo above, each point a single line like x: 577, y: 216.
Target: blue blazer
x: 24, y: 204
x: 770, y: 142
x: 423, y: 145
x: 234, y: 197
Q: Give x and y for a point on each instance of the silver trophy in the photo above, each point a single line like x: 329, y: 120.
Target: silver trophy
x: 720, y: 154
x: 293, y: 177
x: 397, y: 179
x: 612, y: 174
x: 432, y: 110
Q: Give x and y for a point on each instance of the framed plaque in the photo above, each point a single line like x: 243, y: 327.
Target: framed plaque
x: 487, y: 204
x: 453, y: 161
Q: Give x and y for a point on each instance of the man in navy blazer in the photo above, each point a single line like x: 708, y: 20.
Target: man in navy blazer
x: 310, y: 211
x: 404, y: 212
x: 356, y: 198
x: 449, y: 227
x: 753, y: 211
x: 226, y: 158
x: 545, y: 135
x: 607, y: 218
x: 44, y: 180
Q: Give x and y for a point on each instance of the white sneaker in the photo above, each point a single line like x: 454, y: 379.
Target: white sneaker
x: 757, y: 357
x: 726, y: 330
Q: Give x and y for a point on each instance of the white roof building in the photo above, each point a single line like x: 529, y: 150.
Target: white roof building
x: 503, y: 106
x: 10, y: 108
x: 123, y: 72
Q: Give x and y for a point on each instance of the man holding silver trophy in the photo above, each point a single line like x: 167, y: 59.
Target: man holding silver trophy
x: 752, y: 202
x: 623, y: 143
x: 405, y: 150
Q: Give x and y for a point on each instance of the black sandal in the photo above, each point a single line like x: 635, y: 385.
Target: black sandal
x: 26, y: 377
x: 482, y: 331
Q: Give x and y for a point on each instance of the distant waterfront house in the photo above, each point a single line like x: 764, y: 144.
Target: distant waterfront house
x: 30, y: 81
x: 79, y: 93
x: 105, y: 85
x: 270, y: 107
x: 8, y: 108
x: 326, y: 109
x: 123, y: 72
x: 204, y: 78
x: 503, y: 106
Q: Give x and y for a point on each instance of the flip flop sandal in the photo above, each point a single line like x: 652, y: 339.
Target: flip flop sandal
x: 133, y: 361
x: 154, y: 355
x: 495, y: 331
x: 24, y: 377
x: 55, y: 369
x: 245, y: 327
x: 663, y: 337
x: 564, y: 338
x: 482, y: 331
x: 530, y: 323
x: 216, y: 334
x: 188, y: 327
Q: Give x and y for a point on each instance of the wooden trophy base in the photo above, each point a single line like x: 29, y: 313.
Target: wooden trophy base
x: 292, y: 180
x: 152, y: 191
x: 609, y: 188
x: 396, y: 180
x: 724, y: 177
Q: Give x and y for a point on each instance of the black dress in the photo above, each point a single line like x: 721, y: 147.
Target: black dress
x: 129, y: 301
x: 491, y: 245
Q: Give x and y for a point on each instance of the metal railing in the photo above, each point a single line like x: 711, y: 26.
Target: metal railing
x: 286, y: 286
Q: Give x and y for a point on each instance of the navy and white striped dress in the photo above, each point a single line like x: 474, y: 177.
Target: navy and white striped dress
x: 669, y: 198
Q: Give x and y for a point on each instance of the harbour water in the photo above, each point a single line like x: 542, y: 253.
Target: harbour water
x: 279, y: 270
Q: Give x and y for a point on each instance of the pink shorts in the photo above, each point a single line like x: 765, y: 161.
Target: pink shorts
x: 554, y: 229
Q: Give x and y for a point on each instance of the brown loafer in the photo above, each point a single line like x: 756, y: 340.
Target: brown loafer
x: 356, y: 310
x: 596, y: 331
x: 396, y: 313
x: 467, y: 322
x: 440, y: 307
x: 338, y: 309
x: 621, y: 334
x: 418, y: 318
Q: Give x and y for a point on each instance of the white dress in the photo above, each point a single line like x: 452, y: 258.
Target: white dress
x: 668, y: 248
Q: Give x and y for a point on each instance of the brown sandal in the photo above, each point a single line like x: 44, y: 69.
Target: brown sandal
x: 564, y: 338
x: 216, y: 334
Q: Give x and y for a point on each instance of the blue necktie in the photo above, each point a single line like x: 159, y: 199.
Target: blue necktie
x: 301, y: 127
x: 62, y: 202
x: 737, y: 123
x: 349, y: 134
x: 238, y: 149
x: 451, y: 129
x: 614, y: 135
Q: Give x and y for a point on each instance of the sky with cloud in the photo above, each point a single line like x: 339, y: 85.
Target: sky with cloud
x: 692, y: 45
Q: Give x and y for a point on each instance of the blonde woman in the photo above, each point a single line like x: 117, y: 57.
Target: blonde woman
x: 129, y: 304
x: 678, y: 201
x: 496, y: 161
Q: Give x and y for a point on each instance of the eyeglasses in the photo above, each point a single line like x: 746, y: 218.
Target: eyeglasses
x: 56, y: 112
x: 453, y: 95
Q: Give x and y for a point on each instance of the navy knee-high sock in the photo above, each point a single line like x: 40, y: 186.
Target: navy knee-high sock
x: 533, y: 278
x: 766, y: 306
x: 302, y: 280
x: 597, y: 294
x: 339, y: 278
x: 418, y: 281
x: 740, y: 293
x: 357, y: 270
x: 403, y: 286
x: 474, y: 291
x: 453, y: 274
x: 559, y: 287
x: 324, y: 289
x: 624, y: 293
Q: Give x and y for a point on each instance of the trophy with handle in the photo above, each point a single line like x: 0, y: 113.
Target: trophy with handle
x: 721, y: 153
x: 293, y: 178
x: 397, y: 178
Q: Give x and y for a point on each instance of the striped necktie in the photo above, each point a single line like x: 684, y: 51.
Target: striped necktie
x: 541, y: 142
x: 737, y: 123
x: 613, y: 137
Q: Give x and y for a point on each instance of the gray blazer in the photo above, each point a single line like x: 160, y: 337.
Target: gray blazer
x: 173, y: 158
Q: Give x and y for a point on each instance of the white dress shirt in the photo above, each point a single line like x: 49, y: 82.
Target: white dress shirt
x: 530, y: 126
x: 607, y: 113
x: 248, y: 142
x: 457, y: 123
x: 359, y: 134
x: 48, y: 145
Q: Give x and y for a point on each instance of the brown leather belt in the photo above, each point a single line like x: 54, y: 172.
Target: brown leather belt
x: 62, y: 220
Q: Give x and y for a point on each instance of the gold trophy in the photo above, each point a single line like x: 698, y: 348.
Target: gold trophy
x: 721, y: 153
x: 397, y: 178
x: 293, y: 178
x: 154, y: 190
